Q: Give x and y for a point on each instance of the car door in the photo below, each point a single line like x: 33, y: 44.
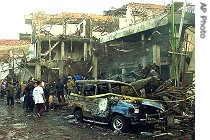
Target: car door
x: 76, y: 98
x: 101, y: 102
x: 89, y: 99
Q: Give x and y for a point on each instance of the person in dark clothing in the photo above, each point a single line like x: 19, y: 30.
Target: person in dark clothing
x: 65, y: 80
x: 29, y: 102
x: 23, y: 93
x: 65, y: 86
x: 10, y: 90
x: 3, y: 89
x: 47, y: 88
x: 60, y: 91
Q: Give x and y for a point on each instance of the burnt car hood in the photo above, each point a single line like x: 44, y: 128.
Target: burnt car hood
x: 146, y: 102
x: 125, y: 104
x: 153, y: 103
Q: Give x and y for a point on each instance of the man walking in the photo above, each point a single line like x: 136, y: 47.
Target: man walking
x: 39, y: 99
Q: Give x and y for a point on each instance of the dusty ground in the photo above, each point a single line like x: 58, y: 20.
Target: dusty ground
x: 15, y: 124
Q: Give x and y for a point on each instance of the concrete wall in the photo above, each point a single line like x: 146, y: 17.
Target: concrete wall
x: 129, y: 17
x: 82, y: 24
x: 122, y: 23
x: 77, y: 53
x: 4, y: 70
x: 97, y: 34
x: 71, y: 29
x: 31, y: 52
x: 136, y: 28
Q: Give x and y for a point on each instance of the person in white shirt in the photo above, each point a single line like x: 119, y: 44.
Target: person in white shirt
x: 38, y: 95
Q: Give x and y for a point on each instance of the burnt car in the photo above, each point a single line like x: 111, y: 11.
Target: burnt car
x: 112, y: 102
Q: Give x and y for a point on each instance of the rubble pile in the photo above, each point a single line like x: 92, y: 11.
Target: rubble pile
x: 178, y: 101
x: 172, y: 95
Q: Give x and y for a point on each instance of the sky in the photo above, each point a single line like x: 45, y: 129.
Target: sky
x: 12, y: 11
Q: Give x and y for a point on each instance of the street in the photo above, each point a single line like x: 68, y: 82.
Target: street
x: 16, y: 124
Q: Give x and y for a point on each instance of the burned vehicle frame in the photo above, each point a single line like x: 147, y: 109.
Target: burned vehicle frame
x: 113, y: 102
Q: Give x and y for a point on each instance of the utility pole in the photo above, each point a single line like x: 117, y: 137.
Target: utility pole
x: 173, y: 48
x: 179, y: 36
x: 61, y: 69
x: 37, y: 19
x: 13, y: 66
x: 176, y: 64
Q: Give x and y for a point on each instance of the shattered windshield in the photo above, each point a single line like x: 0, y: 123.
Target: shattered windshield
x: 123, y: 89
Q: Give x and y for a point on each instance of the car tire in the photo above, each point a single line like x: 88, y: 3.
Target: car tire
x: 119, y: 123
x: 78, y: 115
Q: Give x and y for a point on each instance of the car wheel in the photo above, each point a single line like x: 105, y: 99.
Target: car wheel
x: 119, y: 123
x: 78, y: 115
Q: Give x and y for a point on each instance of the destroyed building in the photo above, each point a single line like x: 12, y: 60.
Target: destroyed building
x: 12, y: 56
x: 62, y: 42
x: 103, y: 46
x: 149, y: 39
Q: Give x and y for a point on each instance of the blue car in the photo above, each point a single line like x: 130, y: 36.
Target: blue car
x: 112, y: 102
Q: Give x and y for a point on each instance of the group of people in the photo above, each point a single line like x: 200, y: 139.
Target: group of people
x: 8, y: 89
x: 66, y: 86
x: 35, y: 94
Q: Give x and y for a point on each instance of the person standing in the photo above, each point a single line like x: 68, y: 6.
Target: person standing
x: 39, y: 99
x: 60, y: 91
x: 29, y: 102
x: 47, y: 95
x: 3, y: 89
x: 23, y: 93
x: 10, y: 90
x: 65, y: 80
x: 70, y: 85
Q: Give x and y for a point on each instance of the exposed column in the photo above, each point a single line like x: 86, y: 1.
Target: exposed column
x: 38, y: 71
x: 142, y: 39
x: 85, y: 50
x: 49, y: 50
x: 123, y: 72
x: 156, y: 54
x: 106, y: 51
x: 61, y: 68
x: 144, y: 59
x: 38, y: 47
x: 89, y: 49
x: 95, y: 67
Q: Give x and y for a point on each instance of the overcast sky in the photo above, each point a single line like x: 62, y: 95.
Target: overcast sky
x: 12, y: 11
